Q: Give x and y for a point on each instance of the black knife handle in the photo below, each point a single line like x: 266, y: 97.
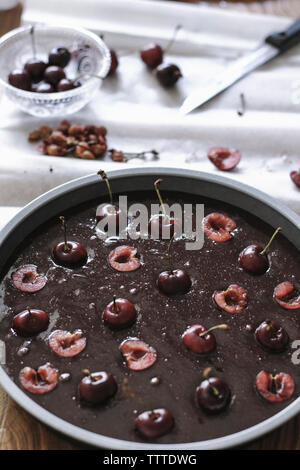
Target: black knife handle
x: 286, y: 39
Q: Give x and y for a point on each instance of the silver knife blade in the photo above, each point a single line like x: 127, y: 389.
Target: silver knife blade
x: 232, y: 74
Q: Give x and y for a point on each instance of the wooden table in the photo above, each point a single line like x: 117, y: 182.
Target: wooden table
x: 18, y: 430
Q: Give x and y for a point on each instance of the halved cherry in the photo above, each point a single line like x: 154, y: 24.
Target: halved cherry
x: 232, y: 300
x: 39, y: 381
x: 66, y: 344
x: 199, y: 339
x: 275, y: 388
x: 295, y: 177
x: 287, y: 296
x: 27, y: 279
x: 138, y: 354
x: 154, y: 423
x: 223, y: 158
x: 218, y: 226
x: 124, y: 259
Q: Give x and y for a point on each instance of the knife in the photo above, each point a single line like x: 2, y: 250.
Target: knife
x: 273, y: 45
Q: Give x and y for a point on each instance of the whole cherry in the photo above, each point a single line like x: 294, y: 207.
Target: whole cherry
x: 272, y: 336
x: 161, y: 225
x: 35, y: 68
x: 66, y: 84
x: 44, y: 87
x: 59, y: 56
x: 114, y: 62
x: 120, y: 313
x: 253, y: 258
x: 173, y: 281
x: 201, y: 340
x: 213, y: 395
x: 168, y: 74
x: 109, y: 212
x: 54, y: 74
x: 154, y: 423
x: 97, y: 387
x: 69, y: 253
x: 152, y: 55
x: 30, y: 322
x: 20, y: 79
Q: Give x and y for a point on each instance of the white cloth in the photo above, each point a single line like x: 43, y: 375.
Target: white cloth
x: 140, y: 115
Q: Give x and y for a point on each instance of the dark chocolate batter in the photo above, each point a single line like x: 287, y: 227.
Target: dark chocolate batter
x: 76, y: 299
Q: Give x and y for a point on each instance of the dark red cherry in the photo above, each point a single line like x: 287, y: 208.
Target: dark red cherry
x: 223, y: 158
x: 174, y: 282
x: 295, y: 177
x: 275, y: 388
x: 119, y: 313
x: 109, y: 212
x: 154, y: 423
x: 114, y: 62
x: 272, y: 336
x: 152, y: 55
x: 35, y: 68
x: 168, y: 74
x: 20, y: 79
x: 213, y: 395
x: 70, y: 255
x: 30, y: 322
x: 59, y: 56
x: 54, y: 74
x: 194, y: 339
x: 252, y: 261
x: 97, y: 387
x: 40, y: 381
x: 253, y: 258
x: 161, y: 226
x: 65, y: 84
x: 44, y: 87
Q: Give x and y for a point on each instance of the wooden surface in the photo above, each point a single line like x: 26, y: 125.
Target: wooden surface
x: 18, y: 430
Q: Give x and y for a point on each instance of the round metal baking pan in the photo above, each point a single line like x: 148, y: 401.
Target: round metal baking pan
x: 84, y: 189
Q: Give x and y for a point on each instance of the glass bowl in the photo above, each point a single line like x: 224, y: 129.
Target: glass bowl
x: 89, y: 55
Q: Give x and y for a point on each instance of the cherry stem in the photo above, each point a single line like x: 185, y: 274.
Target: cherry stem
x: 242, y: 107
x: 215, y: 390
x: 33, y: 41
x: 217, y: 327
x: 170, y: 43
x: 104, y: 177
x: 142, y: 155
x: 169, y: 254
x: 207, y: 372
x: 63, y: 222
x: 156, y: 185
x: 270, y: 241
x: 116, y: 310
x: 29, y: 310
